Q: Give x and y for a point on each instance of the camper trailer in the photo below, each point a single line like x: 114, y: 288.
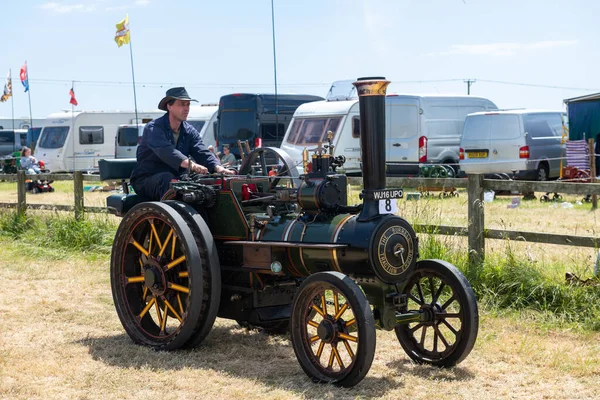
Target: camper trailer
x: 420, y: 129
x: 20, y: 123
x: 204, y: 119
x: 77, y: 140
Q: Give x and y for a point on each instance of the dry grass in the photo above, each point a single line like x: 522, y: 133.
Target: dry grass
x: 60, y: 338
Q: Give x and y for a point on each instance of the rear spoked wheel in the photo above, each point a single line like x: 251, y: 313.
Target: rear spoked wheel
x: 446, y: 334
x: 332, y: 329
x: 156, y: 277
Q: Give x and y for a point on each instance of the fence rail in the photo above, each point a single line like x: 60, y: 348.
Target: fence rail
x: 475, y: 185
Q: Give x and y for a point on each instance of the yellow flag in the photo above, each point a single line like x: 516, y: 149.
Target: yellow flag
x: 122, y: 37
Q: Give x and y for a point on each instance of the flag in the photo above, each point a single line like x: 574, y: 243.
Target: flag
x: 7, y: 89
x: 23, y: 76
x: 122, y: 37
x: 73, y: 99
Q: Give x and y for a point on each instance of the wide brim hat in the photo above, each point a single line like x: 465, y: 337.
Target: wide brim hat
x: 178, y: 93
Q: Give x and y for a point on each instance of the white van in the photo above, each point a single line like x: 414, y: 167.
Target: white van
x: 419, y: 129
x: 77, y: 140
x: 128, y: 138
x: 527, y: 143
x: 204, y: 119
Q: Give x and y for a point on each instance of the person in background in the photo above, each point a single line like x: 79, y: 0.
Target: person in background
x: 29, y: 162
x: 167, y: 144
x: 227, y: 159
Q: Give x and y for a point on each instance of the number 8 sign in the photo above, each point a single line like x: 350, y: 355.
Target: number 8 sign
x: 388, y: 206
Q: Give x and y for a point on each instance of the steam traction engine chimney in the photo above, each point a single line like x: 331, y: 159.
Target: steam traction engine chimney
x: 371, y: 92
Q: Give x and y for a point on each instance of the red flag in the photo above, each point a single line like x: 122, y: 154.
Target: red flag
x: 73, y: 99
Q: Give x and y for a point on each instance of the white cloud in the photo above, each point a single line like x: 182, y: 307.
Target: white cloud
x: 67, y: 8
x: 142, y: 3
x: 503, y: 49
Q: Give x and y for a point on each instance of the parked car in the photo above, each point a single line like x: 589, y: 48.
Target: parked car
x: 524, y: 143
x: 12, y: 140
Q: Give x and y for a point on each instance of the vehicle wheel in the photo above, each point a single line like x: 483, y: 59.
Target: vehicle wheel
x: 157, y: 277
x: 211, y: 267
x: 334, y: 343
x: 35, y: 190
x: 444, y: 296
x: 51, y: 189
x: 542, y: 173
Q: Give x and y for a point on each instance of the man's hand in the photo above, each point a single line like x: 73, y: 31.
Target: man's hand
x: 199, y: 169
x: 220, y: 170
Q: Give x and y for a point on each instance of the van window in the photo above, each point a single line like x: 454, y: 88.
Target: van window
x: 404, y: 120
x: 312, y: 130
x: 91, y: 135
x: 356, y: 127
x: 7, y: 138
x: 53, y: 137
x: 23, y: 137
x: 127, y: 136
x: 543, y: 125
x: 197, y: 125
x: 505, y: 126
x: 476, y: 127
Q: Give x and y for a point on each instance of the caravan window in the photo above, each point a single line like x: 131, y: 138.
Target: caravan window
x: 313, y: 130
x: 53, y: 137
x: 128, y: 136
x: 91, y: 135
x: 7, y: 137
x: 356, y: 127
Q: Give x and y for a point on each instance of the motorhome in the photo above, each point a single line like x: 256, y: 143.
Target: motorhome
x: 77, y: 140
x: 204, y: 119
x: 420, y: 129
x: 261, y: 119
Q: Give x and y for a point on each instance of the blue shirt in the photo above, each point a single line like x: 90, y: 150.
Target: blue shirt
x: 157, y: 151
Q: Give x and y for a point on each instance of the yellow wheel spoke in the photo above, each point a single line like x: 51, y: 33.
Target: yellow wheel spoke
x: 145, y: 310
x: 349, y: 349
x: 175, y: 263
x: 337, y: 356
x: 177, y: 287
x: 179, y: 302
x: 314, y: 338
x: 323, y: 303
x: 317, y: 309
x: 160, y: 320
x: 155, y: 235
x: 341, y: 311
x: 347, y: 337
x: 173, y: 247
x: 320, y: 350
x: 145, y: 293
x: 141, y: 262
x: 331, y: 357
x: 167, y: 304
x: 140, y: 248
x: 150, y: 243
x: 164, y: 246
x: 336, y: 303
x: 183, y: 274
x: 352, y: 321
x: 135, y: 279
x: 313, y: 323
x: 164, y: 321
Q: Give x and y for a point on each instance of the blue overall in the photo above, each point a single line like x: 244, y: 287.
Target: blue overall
x: 159, y: 159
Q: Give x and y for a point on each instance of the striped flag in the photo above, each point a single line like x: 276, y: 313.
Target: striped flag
x: 122, y: 37
x: 7, y: 89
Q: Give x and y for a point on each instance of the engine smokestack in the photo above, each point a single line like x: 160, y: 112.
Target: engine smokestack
x: 371, y: 92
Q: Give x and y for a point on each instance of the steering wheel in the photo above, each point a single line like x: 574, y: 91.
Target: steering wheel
x: 271, y: 162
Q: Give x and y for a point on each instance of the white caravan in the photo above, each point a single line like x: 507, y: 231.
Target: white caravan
x: 419, y: 129
x: 77, y: 140
x: 204, y: 119
x: 20, y: 123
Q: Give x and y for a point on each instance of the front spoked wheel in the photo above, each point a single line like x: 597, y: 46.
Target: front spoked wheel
x: 333, y: 329
x: 156, y: 277
x: 450, y: 320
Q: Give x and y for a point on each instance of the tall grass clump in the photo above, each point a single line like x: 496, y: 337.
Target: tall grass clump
x: 14, y: 225
x: 87, y: 234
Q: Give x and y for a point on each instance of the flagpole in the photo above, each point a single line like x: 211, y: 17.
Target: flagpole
x: 29, y: 95
x: 137, y: 123
x: 73, y: 125
x: 12, y: 99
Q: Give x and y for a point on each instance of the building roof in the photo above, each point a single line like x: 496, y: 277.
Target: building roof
x: 587, y: 97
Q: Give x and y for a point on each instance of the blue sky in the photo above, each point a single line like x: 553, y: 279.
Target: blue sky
x: 219, y: 47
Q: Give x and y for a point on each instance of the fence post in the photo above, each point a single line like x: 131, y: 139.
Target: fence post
x: 78, y: 190
x: 21, y: 193
x: 476, y: 218
x: 593, y: 172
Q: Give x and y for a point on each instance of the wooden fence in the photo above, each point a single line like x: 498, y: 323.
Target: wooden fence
x: 475, y: 185
x: 77, y: 177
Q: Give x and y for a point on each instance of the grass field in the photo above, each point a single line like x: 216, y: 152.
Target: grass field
x: 60, y: 336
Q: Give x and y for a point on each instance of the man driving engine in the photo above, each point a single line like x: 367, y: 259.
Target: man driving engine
x: 166, y: 144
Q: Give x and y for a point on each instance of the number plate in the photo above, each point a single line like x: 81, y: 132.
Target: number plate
x: 388, y: 206
x: 385, y: 194
x: 477, y: 154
